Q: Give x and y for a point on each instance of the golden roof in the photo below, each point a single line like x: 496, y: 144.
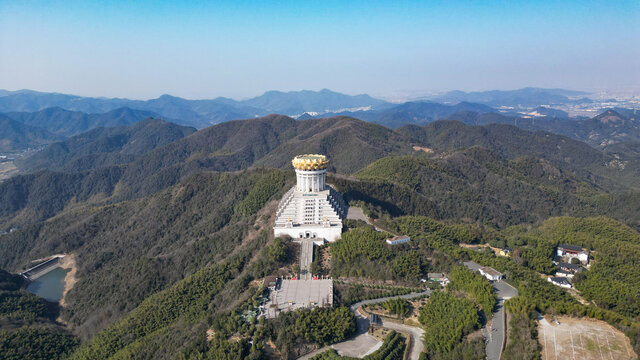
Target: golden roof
x: 310, y: 162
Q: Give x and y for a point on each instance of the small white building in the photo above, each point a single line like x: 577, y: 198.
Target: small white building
x: 491, y: 273
x: 438, y: 277
x: 398, y: 240
x: 560, y: 281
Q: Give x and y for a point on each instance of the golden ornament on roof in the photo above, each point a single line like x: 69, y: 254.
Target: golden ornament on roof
x: 310, y: 162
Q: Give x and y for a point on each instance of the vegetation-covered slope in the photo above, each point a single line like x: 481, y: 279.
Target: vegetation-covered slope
x: 105, y: 146
x: 66, y: 123
x: 16, y: 136
x: 473, y: 185
x: 608, y: 128
x: 127, y: 251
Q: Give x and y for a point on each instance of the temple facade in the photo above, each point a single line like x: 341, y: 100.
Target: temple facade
x: 311, y: 209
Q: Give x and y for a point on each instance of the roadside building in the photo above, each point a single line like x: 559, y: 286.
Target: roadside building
x: 398, y: 240
x: 491, y: 273
x: 560, y: 281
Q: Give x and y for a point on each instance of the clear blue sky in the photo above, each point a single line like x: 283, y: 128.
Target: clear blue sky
x: 141, y: 49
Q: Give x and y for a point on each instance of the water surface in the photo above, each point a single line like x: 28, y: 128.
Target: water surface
x: 50, y: 285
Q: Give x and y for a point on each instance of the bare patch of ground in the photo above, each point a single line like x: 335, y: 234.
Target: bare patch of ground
x: 68, y: 262
x: 325, y: 258
x: 7, y: 170
x: 422, y: 148
x: 481, y: 246
x: 582, y: 339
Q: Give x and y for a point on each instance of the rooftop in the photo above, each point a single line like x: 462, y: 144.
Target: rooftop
x: 310, y: 162
x: 569, y: 266
x: 490, y: 271
x: 560, y: 280
x: 570, y: 247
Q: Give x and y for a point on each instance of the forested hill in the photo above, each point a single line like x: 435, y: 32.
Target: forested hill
x: 105, y: 146
x: 66, y: 123
x: 17, y: 136
x: 607, y: 128
x: 479, y: 186
x: 512, y: 142
x: 272, y: 141
x: 130, y: 250
x: 235, y: 145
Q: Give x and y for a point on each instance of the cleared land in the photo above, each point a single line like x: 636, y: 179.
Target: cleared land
x: 582, y: 339
x: 7, y: 170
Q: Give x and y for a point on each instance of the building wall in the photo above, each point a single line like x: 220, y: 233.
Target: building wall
x: 311, y: 180
x: 329, y: 234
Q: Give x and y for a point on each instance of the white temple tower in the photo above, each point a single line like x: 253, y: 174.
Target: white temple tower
x: 311, y: 209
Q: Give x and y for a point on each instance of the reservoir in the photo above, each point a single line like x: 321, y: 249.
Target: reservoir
x: 50, y: 285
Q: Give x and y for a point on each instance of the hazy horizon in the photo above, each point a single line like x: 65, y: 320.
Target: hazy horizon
x: 388, y: 50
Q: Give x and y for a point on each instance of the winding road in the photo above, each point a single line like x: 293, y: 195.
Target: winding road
x: 362, y: 343
x: 496, y: 334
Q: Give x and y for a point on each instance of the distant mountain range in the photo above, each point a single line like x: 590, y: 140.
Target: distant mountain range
x: 198, y: 113
x: 527, y: 97
x: 53, y: 117
x: 418, y: 112
x: 610, y: 127
x: 202, y: 113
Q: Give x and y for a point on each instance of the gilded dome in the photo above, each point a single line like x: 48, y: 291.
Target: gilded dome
x: 310, y: 162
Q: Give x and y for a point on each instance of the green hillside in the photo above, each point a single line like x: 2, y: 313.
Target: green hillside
x: 475, y: 185
x: 127, y: 251
x: 105, y: 146
x: 16, y: 136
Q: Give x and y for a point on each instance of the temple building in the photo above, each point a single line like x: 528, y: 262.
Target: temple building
x: 311, y: 209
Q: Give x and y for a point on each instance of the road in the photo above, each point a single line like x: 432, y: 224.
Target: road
x: 496, y: 334
x: 362, y: 343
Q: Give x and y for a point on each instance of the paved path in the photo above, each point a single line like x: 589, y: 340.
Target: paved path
x: 362, y: 343
x: 356, y: 213
x: 496, y: 334
x: 306, y: 258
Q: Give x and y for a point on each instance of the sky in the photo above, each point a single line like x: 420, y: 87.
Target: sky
x: 239, y: 49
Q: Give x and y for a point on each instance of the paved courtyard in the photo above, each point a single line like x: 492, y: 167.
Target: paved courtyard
x: 297, y: 294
